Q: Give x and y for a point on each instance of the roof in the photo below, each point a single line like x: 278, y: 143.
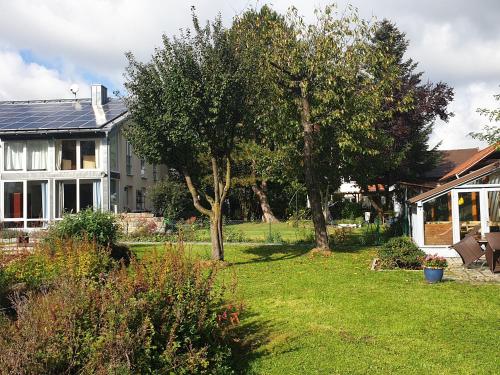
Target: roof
x: 459, y: 181
x: 449, y: 160
x: 20, y: 117
x: 470, y: 162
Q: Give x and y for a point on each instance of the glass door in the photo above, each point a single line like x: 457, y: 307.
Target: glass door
x: 469, y: 213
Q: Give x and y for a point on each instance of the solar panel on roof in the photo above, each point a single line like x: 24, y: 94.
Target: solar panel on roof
x: 55, y: 115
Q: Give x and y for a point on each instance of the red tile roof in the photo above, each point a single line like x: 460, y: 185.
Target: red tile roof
x: 470, y: 162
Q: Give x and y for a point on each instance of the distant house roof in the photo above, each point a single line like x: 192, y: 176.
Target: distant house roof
x: 449, y: 160
x: 48, y: 116
x: 471, y: 162
x: 459, y: 181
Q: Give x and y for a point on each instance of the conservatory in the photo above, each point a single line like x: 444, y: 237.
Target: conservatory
x: 444, y: 215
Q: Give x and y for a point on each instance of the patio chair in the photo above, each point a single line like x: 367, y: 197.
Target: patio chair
x: 469, y: 250
x: 493, y: 251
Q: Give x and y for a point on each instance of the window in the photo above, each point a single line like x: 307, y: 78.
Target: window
x: 13, y: 200
x: 438, y: 224
x: 128, y: 158
x: 113, y: 152
x: 37, y: 155
x: 88, y: 155
x: 140, y: 199
x: 155, y: 173
x: 469, y: 212
x: 66, y: 197
x: 143, y: 168
x: 14, y: 156
x: 114, y: 192
x: 66, y: 155
x: 37, y: 200
x: 87, y: 191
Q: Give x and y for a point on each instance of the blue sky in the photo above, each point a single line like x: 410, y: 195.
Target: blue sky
x: 45, y: 46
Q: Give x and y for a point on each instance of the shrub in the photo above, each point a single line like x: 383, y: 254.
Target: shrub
x: 400, y: 252
x: 169, y: 198
x: 49, y: 261
x: 164, y: 315
x: 97, y: 226
x: 351, y: 210
x: 234, y: 235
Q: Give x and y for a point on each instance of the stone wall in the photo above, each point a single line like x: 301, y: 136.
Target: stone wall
x: 131, y: 223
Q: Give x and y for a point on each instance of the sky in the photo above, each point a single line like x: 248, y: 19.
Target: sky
x: 45, y: 46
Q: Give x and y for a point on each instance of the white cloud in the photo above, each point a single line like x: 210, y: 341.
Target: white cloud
x: 22, y: 81
x: 453, y: 41
x: 467, y: 100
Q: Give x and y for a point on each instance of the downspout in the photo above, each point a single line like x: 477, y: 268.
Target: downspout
x: 108, y: 170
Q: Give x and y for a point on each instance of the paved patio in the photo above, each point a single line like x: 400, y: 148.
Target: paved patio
x: 476, y: 273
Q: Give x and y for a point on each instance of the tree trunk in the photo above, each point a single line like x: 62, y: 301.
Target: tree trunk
x: 216, y: 233
x: 310, y: 133
x: 261, y: 193
x: 324, y: 203
x: 215, y: 211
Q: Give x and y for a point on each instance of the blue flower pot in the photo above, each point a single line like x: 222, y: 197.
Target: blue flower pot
x: 433, y: 275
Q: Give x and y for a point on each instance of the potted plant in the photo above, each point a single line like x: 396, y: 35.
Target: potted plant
x: 434, y: 266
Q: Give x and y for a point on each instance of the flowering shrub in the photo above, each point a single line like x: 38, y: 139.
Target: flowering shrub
x: 164, y: 315
x: 434, y: 261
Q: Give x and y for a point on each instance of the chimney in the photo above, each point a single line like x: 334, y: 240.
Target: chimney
x: 99, y: 94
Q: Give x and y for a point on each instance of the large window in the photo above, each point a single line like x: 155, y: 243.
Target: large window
x: 73, y: 196
x: 37, y: 155
x: 66, y: 155
x: 14, y: 156
x: 35, y: 158
x: 469, y: 213
x: 13, y: 200
x: 113, y: 152
x: 88, y: 155
x: 438, y: 223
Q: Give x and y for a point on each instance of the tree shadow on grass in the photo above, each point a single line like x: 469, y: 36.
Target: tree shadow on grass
x: 272, y: 253
x: 249, y: 338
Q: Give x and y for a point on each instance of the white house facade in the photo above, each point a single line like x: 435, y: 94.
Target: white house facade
x: 59, y: 156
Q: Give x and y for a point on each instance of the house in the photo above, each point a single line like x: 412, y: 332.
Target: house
x: 466, y: 199
x: 61, y: 156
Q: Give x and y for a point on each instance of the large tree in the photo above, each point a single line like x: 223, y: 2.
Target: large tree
x: 403, y: 137
x: 186, y: 106
x: 324, y: 82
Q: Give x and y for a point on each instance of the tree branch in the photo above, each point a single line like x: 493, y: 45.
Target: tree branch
x: 194, y: 195
x: 228, y: 180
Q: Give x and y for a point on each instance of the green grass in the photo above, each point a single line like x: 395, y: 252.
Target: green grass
x: 335, y: 316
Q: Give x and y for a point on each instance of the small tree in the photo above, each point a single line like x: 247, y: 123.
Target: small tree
x: 186, y: 106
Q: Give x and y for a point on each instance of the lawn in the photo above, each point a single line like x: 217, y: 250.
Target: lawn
x: 335, y: 316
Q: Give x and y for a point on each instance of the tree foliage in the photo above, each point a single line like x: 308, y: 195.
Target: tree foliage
x: 403, y: 138
x: 187, y: 107
x: 323, y: 85
x: 490, y: 133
